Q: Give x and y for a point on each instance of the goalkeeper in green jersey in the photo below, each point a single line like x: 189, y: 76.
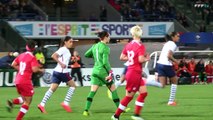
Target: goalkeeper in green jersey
x: 102, y: 72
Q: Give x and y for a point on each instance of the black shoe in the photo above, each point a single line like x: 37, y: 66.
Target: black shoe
x: 9, y: 105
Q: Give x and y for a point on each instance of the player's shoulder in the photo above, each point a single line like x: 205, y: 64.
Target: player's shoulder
x: 62, y: 49
x: 28, y: 55
x: 103, y: 46
x: 138, y: 45
x: 170, y: 43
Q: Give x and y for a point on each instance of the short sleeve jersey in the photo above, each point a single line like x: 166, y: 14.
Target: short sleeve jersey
x: 133, y: 50
x: 100, y: 53
x: 163, y: 59
x: 64, y: 57
x: 25, y: 61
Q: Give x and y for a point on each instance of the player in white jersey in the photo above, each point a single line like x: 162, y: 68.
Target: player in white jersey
x: 164, y: 65
x: 61, y: 74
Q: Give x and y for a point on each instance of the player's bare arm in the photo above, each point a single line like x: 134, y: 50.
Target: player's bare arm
x: 123, y: 57
x: 170, y: 56
x: 143, y: 58
x: 37, y: 69
x: 15, y: 65
x: 55, y: 57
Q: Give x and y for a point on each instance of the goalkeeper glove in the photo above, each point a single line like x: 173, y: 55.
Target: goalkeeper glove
x: 110, y: 76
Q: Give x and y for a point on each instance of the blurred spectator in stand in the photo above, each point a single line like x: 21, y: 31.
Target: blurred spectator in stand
x: 115, y: 4
x: 175, y: 66
x: 6, y: 61
x: 202, y: 27
x: 200, y: 69
x: 191, y: 68
x: 15, y: 10
x: 209, y: 72
x: 183, y: 63
x: 126, y: 14
x: 209, y: 16
x: 103, y: 13
x: 183, y: 69
x: 41, y: 60
x: 76, y: 65
x: 93, y: 17
x: 40, y: 56
x: 182, y: 19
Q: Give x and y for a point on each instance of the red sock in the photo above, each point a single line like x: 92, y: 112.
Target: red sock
x: 124, y: 102
x: 16, y: 101
x: 22, y: 112
x: 139, y: 103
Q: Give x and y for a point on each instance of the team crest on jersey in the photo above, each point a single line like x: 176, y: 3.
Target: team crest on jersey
x: 47, y: 77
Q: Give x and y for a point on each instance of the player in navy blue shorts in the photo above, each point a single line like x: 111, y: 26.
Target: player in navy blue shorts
x: 164, y: 65
x: 61, y: 74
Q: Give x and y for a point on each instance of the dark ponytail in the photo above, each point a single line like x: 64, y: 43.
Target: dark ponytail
x: 103, y: 34
x: 30, y: 46
x: 67, y: 38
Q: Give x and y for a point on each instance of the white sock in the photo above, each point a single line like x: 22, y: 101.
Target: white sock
x: 69, y: 94
x: 118, y: 83
x: 152, y: 82
x: 172, y: 93
x: 20, y: 100
x: 47, y: 96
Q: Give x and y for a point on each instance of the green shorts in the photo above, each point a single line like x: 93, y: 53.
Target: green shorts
x: 100, y: 80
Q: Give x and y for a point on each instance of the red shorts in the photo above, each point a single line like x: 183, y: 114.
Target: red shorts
x: 25, y: 90
x: 134, y: 81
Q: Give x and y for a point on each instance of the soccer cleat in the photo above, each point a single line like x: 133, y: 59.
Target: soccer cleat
x: 42, y: 109
x: 172, y: 103
x: 114, y: 118
x: 9, y: 105
x: 109, y: 94
x: 86, y: 113
x: 66, y: 107
x: 196, y: 83
x: 136, y: 117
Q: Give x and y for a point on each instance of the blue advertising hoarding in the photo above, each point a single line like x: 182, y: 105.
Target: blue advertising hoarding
x: 197, y: 38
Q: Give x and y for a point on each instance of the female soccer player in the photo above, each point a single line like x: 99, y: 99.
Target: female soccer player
x: 102, y: 72
x: 164, y: 65
x: 61, y: 74
x: 135, y: 53
x: 26, y: 64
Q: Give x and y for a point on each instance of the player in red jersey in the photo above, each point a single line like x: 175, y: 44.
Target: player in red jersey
x: 26, y: 64
x: 135, y: 53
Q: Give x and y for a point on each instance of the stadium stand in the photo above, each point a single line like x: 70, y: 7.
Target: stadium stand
x: 10, y: 39
x: 191, y: 17
x: 196, y: 15
x: 19, y: 10
x: 59, y: 10
x: 147, y: 10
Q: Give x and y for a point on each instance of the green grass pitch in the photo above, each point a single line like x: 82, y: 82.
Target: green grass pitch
x: 195, y: 102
